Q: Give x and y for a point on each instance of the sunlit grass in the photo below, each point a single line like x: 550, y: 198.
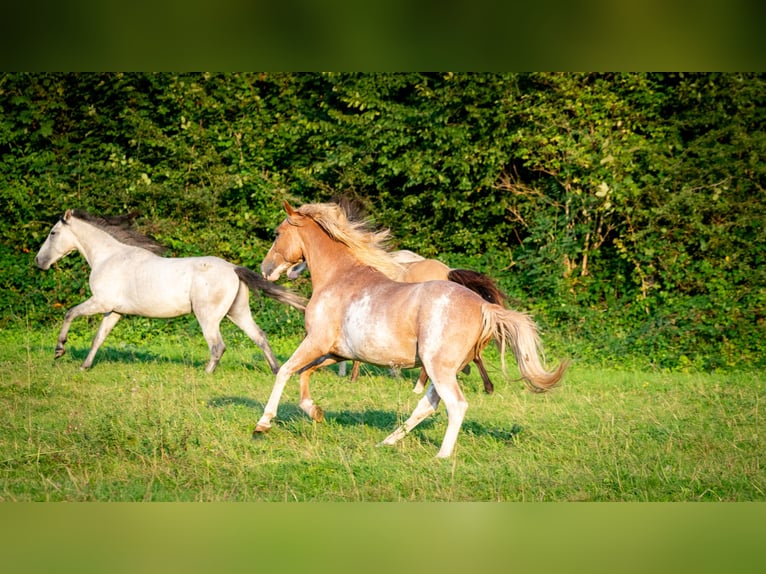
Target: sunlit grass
x: 146, y: 423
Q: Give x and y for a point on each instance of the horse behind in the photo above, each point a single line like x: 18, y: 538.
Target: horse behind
x: 356, y: 312
x: 129, y: 277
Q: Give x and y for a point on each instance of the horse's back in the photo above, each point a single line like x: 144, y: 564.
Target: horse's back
x: 425, y: 270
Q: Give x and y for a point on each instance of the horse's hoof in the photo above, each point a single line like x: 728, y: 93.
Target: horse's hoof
x: 317, y: 414
x: 59, y: 353
x: 260, y: 430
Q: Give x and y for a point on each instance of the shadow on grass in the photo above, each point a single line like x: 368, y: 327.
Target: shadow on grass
x: 128, y: 356
x: 383, y: 420
x: 221, y: 402
x: 502, y: 435
x: 379, y: 419
x: 134, y: 356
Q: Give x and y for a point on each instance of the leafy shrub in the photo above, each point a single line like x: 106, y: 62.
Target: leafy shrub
x: 623, y: 210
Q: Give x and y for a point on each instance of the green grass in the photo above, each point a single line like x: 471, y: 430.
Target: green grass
x: 146, y: 423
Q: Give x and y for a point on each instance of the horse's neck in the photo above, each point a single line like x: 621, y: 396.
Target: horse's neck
x: 328, y: 260
x: 95, y: 244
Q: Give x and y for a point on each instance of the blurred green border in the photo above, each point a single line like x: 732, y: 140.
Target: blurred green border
x: 373, y: 36
x: 297, y: 35
x: 382, y: 537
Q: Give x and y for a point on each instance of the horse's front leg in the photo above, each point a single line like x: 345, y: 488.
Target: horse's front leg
x: 304, y: 355
x: 88, y: 307
x: 306, y: 403
x: 106, y: 326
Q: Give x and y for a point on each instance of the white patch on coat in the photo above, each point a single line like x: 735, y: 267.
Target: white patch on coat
x: 435, y: 325
x: 368, y: 335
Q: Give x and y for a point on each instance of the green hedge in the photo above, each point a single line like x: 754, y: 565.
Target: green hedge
x: 624, y: 210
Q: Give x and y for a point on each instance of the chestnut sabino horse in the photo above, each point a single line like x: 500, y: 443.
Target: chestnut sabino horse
x: 415, y: 268
x: 128, y: 277
x: 356, y: 312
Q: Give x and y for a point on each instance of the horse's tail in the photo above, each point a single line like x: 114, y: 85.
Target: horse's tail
x: 479, y: 283
x: 520, y: 331
x: 256, y: 282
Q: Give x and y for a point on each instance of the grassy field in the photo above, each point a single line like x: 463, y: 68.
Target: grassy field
x: 146, y: 423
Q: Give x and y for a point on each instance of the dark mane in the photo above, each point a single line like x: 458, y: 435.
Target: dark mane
x: 121, y: 228
x: 352, y: 207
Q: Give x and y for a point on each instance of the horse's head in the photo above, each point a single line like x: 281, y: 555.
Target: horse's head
x: 61, y: 241
x: 287, y: 249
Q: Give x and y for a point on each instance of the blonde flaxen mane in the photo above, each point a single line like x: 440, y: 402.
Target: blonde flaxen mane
x: 368, y: 245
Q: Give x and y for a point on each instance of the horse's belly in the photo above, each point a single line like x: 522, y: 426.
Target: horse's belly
x: 159, y: 295
x: 377, y: 352
x: 157, y: 308
x: 370, y: 335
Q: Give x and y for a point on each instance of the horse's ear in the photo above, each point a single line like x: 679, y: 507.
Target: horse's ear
x: 288, y: 209
x: 67, y: 215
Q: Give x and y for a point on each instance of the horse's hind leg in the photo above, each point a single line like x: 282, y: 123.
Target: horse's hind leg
x: 211, y: 330
x: 489, y: 388
x: 241, y: 316
x: 456, y: 406
x: 443, y: 385
x: 421, y: 382
x: 426, y: 406
x: 107, y: 324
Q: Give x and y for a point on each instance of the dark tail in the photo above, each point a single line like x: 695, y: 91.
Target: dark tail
x: 256, y: 282
x: 480, y: 284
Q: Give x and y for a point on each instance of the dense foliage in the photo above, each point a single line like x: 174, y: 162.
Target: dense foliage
x: 626, y: 211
